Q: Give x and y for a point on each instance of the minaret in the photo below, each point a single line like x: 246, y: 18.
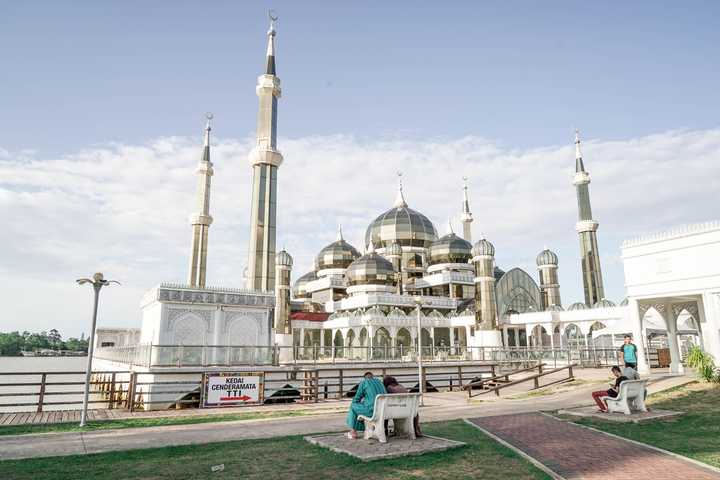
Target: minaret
x: 587, y: 230
x: 483, y: 253
x: 547, y: 263
x: 466, y: 217
x: 283, y: 266
x: 201, y: 220
x: 265, y: 160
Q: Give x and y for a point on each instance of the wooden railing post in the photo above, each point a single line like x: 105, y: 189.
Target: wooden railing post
x: 317, y: 384
x: 41, y: 396
x: 460, y: 379
x: 340, y: 383
x: 111, y: 398
x: 570, y: 372
x: 131, y: 392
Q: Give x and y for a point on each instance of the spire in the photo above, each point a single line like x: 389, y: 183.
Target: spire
x: 270, y: 66
x: 579, y: 167
x: 450, y: 227
x: 400, y: 198
x: 339, y: 234
x: 466, y: 202
x: 371, y: 247
x: 466, y: 216
x: 206, y: 146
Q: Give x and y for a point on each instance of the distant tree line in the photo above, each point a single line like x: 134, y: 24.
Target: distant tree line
x: 12, y: 343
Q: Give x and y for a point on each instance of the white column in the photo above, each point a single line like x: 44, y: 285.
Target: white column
x: 671, y: 325
x: 452, y: 340
x: 709, y: 319
x: 506, y: 340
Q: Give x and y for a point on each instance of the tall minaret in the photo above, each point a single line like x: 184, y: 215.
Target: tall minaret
x: 587, y: 229
x: 201, y: 220
x: 265, y: 159
x: 466, y: 217
x: 283, y: 266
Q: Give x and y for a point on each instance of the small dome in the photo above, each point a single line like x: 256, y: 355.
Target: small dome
x: 394, y: 249
x: 370, y: 269
x: 299, y: 288
x: 546, y: 257
x: 554, y: 308
x: 577, y: 306
x: 604, y: 303
x: 483, y: 247
x: 498, y: 273
x: 450, y: 249
x: 339, y: 254
x: 283, y: 258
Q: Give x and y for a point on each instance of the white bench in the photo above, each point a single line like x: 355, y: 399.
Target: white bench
x: 631, y: 397
x: 401, y: 408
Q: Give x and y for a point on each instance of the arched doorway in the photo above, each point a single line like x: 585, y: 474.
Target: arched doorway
x: 381, y: 343
x: 338, y: 344
x: 403, y: 341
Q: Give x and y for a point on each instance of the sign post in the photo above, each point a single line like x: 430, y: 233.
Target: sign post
x: 232, y: 389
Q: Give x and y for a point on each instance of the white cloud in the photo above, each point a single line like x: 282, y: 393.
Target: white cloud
x: 123, y: 209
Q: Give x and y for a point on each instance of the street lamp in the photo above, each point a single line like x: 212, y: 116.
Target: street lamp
x: 97, y: 282
x: 421, y: 387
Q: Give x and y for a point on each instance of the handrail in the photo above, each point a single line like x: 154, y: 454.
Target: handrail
x: 482, y: 381
x: 535, y: 378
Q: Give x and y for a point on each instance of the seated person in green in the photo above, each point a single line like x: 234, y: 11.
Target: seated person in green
x: 363, y: 403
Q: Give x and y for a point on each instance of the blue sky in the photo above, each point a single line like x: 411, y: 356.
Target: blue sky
x: 522, y: 73
x: 103, y: 105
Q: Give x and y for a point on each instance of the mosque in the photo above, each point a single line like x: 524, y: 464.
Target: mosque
x: 372, y: 302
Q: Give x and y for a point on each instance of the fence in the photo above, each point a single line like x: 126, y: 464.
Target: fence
x: 147, y: 355
x: 163, y: 389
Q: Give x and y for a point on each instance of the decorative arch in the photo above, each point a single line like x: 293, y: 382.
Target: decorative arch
x: 189, y: 329
x: 403, y: 339
x: 517, y: 292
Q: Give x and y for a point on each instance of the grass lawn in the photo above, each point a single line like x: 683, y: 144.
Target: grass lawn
x: 696, y: 434
x: 288, y: 457
x: 145, y: 422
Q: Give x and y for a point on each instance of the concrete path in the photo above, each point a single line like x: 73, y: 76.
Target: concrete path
x: 574, y: 452
x: 439, y: 406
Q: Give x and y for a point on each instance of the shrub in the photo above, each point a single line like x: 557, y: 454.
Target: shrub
x: 704, y: 363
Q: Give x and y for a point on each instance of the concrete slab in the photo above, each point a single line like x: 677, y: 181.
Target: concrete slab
x: 636, y: 417
x: 369, y: 450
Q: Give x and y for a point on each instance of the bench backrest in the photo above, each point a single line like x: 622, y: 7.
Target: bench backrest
x: 396, y: 405
x: 632, y: 388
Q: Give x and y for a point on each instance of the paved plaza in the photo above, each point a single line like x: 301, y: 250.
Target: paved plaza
x: 571, y: 451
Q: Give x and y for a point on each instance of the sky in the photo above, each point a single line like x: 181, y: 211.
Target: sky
x: 102, y: 108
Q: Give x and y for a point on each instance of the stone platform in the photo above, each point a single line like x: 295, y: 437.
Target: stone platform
x: 368, y: 450
x: 636, y: 417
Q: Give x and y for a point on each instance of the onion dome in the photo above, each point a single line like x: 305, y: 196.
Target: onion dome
x: 603, y: 303
x: 402, y: 224
x: 577, y: 306
x: 338, y: 254
x: 370, y: 269
x: 450, y: 249
x: 394, y: 249
x: 498, y: 273
x: 283, y: 258
x: 483, y: 247
x: 546, y: 257
x: 554, y: 308
x: 299, y: 289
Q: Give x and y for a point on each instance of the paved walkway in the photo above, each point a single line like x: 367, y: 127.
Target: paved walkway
x: 574, y: 452
x: 439, y: 407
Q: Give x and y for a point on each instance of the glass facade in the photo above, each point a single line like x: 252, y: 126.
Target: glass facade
x: 404, y: 225
x: 517, y: 292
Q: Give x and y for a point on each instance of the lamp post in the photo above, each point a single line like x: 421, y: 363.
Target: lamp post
x: 421, y: 386
x: 97, y: 282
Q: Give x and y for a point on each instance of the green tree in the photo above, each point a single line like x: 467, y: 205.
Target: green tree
x: 11, y: 343
x: 55, y: 339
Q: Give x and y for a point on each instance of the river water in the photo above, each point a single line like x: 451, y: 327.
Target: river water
x: 40, y: 364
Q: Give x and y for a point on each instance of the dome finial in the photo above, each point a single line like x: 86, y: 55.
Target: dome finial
x: 339, y: 234
x: 400, y: 199
x: 371, y: 247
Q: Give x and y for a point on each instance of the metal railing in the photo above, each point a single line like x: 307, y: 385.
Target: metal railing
x: 147, y: 355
